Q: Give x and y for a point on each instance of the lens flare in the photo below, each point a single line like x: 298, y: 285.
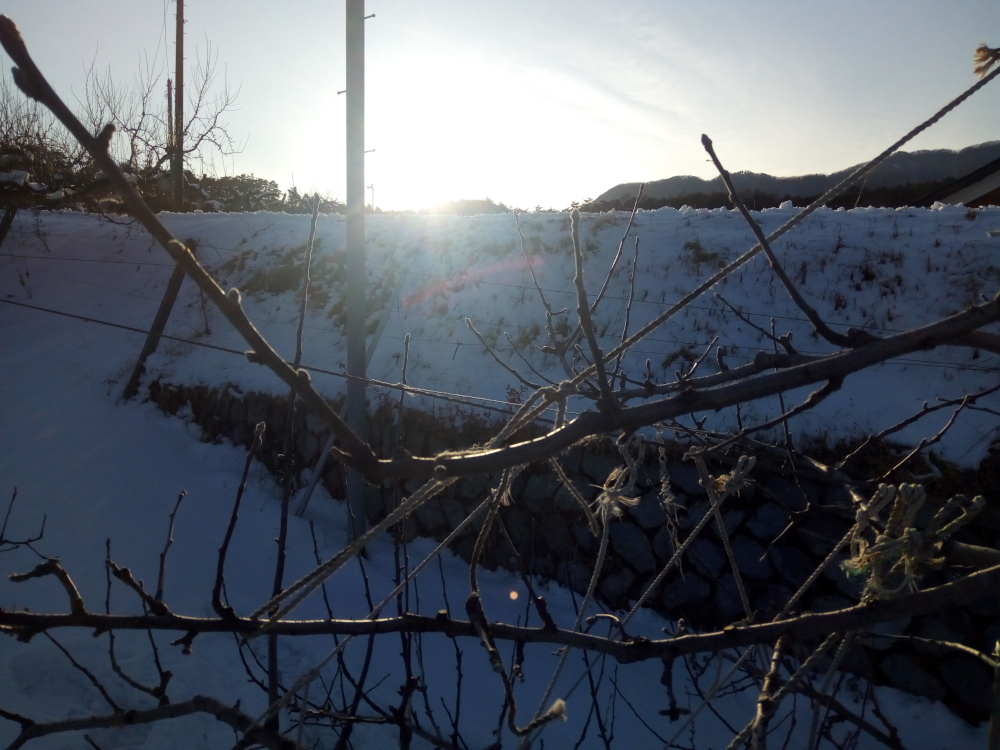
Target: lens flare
x: 513, y: 595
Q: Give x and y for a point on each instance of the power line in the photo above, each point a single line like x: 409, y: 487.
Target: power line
x: 566, y: 292
x: 462, y: 399
x: 89, y: 260
x: 465, y: 400
x: 661, y: 305
x: 676, y: 342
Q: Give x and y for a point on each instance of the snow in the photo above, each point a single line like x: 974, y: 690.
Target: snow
x: 95, y: 469
x: 877, y: 269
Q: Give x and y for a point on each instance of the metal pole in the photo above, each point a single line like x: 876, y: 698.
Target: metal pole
x: 369, y: 353
x: 356, y: 407
x: 177, y: 165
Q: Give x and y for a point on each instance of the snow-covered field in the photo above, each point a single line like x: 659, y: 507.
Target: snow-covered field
x: 96, y: 470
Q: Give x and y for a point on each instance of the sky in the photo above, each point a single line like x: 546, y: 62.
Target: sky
x: 546, y: 102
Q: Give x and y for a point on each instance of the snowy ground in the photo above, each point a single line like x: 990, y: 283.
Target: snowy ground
x: 96, y: 470
x: 883, y: 270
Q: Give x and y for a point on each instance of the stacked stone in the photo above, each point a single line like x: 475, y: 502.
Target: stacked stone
x: 544, y: 533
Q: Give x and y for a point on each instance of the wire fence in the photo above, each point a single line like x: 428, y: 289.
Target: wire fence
x: 982, y: 366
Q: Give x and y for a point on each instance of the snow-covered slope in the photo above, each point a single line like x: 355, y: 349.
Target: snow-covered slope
x: 881, y: 270
x: 98, y: 470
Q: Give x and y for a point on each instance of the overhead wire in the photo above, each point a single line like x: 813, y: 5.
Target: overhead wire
x: 464, y: 399
x: 964, y: 366
x: 523, y: 287
x: 566, y: 292
x: 375, y: 269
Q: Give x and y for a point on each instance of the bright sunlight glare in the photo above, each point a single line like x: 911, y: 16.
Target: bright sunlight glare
x: 474, y: 130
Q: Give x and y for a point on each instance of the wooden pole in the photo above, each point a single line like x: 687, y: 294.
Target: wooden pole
x: 177, y: 172
x: 178, y: 160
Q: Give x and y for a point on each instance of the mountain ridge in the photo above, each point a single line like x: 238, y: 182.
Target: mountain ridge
x: 901, y: 168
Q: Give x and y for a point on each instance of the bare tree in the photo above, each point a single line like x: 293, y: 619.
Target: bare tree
x: 43, y: 166
x: 888, y: 542
x: 139, y: 112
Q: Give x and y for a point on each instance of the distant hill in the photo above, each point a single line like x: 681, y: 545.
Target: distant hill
x: 902, y: 168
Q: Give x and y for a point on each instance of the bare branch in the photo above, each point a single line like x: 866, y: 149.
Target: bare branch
x: 784, y: 341
x: 821, y: 328
x: 831, y: 367
x: 504, y: 365
x: 513, y: 348
x: 30, y: 80
x: 220, y: 609
x: 925, y: 442
x: 621, y: 245
x: 606, y: 403
x: 166, y: 547
x: 199, y: 704
x: 160, y: 691
x: 52, y: 567
x: 125, y: 576
x: 87, y: 673
x: 631, y: 295
x: 924, y: 411
x: 966, y: 589
x: 765, y: 701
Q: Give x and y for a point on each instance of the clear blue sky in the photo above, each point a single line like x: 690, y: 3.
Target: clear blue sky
x: 550, y: 101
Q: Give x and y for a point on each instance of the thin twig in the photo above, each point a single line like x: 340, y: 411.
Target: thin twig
x: 125, y: 576
x: 765, y: 701
x: 697, y: 363
x: 372, y: 615
x: 531, y: 367
x: 606, y: 403
x: 15, y: 544
x: 221, y: 609
x: 87, y: 673
x: 306, y: 267
x: 159, y: 692
x: 199, y: 704
x: 399, y: 408
x: 580, y: 614
x: 925, y: 442
x: 52, y: 567
x: 821, y: 328
x: 504, y: 365
x: 813, y: 400
x: 784, y: 341
x: 631, y: 296
x: 166, y: 547
x: 621, y: 245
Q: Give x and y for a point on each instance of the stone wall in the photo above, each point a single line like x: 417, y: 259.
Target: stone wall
x: 544, y: 533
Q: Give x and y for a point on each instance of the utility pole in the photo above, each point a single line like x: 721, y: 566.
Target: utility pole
x: 372, y: 188
x: 170, y: 123
x: 357, y: 412
x: 177, y: 172
x: 177, y: 165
